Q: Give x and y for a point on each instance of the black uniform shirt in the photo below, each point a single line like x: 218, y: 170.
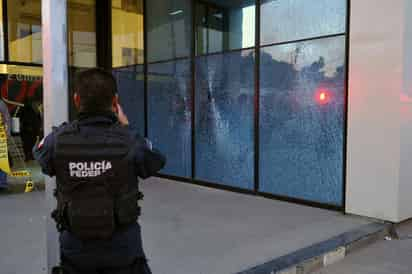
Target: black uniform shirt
x: 147, y: 161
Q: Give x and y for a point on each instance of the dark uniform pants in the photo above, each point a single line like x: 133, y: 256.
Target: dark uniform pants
x: 140, y: 266
x: 122, y: 255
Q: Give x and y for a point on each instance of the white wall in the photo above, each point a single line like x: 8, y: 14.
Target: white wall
x: 379, y: 157
x: 405, y: 180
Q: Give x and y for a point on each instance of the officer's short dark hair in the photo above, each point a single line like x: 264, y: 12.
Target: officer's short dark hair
x: 96, y: 88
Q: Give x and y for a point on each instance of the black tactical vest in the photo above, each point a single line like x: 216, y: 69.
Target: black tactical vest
x: 97, y: 191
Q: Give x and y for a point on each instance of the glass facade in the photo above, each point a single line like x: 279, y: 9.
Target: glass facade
x: 224, y: 25
x: 224, y: 93
x: 169, y: 84
x: 169, y: 114
x: 288, y: 20
x: 24, y: 31
x: 169, y: 29
x: 130, y: 85
x: 208, y: 113
x: 81, y: 40
x: 238, y: 95
x: 81, y: 24
x: 127, y: 33
x: 224, y: 118
x: 20, y: 71
x: 302, y: 97
x: 128, y: 59
x: 22, y: 91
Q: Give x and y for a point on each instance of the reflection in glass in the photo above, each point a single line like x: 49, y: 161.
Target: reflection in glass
x: 288, y: 20
x: 169, y: 111
x: 224, y: 25
x: 82, y: 33
x: 224, y: 118
x: 23, y: 85
x: 127, y: 33
x: 302, y: 99
x: 169, y: 28
x: 73, y: 71
x: 24, y: 18
x: 130, y: 85
x: 81, y: 40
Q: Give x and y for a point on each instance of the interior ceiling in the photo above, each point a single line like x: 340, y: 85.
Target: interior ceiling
x: 24, y: 11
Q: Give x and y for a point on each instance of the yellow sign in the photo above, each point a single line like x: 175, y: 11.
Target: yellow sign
x: 21, y: 173
x: 4, y: 154
x: 21, y: 70
x: 29, y: 186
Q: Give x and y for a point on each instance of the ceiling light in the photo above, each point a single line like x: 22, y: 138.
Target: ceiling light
x: 176, y: 12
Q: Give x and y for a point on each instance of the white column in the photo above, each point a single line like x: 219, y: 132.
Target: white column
x: 405, y: 175
x: 379, y: 157
x: 55, y: 96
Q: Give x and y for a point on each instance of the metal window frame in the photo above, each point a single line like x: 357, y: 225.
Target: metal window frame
x: 145, y: 71
x: 104, y: 34
x: 193, y: 89
x: 257, y: 98
x: 5, y: 31
x: 346, y: 107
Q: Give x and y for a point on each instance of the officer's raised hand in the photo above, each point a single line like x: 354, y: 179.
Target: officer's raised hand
x: 148, y: 160
x: 121, y: 115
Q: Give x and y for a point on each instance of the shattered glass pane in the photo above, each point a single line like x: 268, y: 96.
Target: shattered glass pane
x: 302, y: 99
x: 131, y: 94
x: 169, y: 114
x: 288, y: 20
x: 224, y: 118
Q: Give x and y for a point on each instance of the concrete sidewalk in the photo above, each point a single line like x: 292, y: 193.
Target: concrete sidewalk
x: 383, y: 257
x: 187, y: 229
x: 23, y: 233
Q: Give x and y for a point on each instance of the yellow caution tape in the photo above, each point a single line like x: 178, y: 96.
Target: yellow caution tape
x: 4, y: 154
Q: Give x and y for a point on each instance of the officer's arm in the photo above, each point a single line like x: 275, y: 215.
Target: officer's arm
x: 148, y: 160
x: 43, y: 153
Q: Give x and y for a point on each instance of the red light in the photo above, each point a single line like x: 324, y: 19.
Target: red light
x: 323, y: 97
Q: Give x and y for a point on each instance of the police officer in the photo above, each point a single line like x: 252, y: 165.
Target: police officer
x: 97, y: 162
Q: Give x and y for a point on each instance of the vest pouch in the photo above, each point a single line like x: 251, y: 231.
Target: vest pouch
x: 92, y: 218
x: 127, y: 208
